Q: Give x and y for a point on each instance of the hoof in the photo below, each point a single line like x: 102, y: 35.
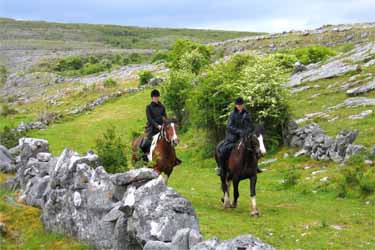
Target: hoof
x: 254, y: 213
x: 227, y: 206
x: 234, y: 205
x: 222, y: 199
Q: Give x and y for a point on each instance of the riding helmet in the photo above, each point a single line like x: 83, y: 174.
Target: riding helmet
x: 155, y: 93
x: 239, y: 101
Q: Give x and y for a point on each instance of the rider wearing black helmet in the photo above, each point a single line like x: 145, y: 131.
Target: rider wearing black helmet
x: 155, y: 113
x: 239, y: 123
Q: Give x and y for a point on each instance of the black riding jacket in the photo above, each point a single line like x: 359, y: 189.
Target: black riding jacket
x: 238, y: 122
x: 155, y: 113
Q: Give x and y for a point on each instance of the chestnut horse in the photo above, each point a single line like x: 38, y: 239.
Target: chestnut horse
x: 163, y: 154
x: 242, y: 164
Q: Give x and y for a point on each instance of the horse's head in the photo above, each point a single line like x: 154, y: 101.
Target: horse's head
x: 253, y: 142
x: 169, y: 131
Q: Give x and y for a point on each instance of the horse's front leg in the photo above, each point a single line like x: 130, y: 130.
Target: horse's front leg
x: 235, y: 192
x: 253, y: 205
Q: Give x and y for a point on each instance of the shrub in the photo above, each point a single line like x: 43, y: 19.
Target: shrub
x: 3, y: 74
x: 258, y: 79
x: 291, y: 177
x: 211, y: 97
x: 313, y: 54
x: 109, y: 82
x: 182, y: 48
x: 367, y: 184
x: 261, y: 83
x: 9, y: 137
x: 285, y: 61
x: 159, y: 56
x: 176, y: 92
x: 111, y: 151
x: 135, y: 58
x: 69, y: 63
x: 5, y: 110
x: 357, y: 179
x: 90, y: 68
x: 92, y: 59
x: 144, y: 77
x: 106, y: 63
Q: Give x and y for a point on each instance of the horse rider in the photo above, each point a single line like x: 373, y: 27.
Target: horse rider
x: 155, y: 113
x: 239, y: 124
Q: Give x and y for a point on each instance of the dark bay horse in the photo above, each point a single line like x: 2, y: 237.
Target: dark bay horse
x: 163, y: 154
x: 242, y: 164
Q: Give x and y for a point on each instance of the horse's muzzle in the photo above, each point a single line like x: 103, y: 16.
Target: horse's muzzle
x: 175, y: 142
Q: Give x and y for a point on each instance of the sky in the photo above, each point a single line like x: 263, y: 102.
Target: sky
x: 244, y: 15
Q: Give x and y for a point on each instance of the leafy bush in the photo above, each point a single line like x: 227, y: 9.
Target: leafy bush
x: 285, y: 61
x: 291, y: 177
x: 85, y: 65
x: 111, y: 151
x: 69, y: 63
x: 313, y: 54
x: 109, y: 82
x: 9, y: 137
x: 210, y: 99
x: 144, y: 77
x: 197, y: 54
x: 90, y: 68
x: 258, y: 79
x: 5, y: 110
x: 135, y: 58
x: 3, y: 74
x: 187, y: 60
x: 176, y: 92
x: 356, y: 179
x: 159, y: 56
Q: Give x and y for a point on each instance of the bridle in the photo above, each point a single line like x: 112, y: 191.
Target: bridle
x: 163, y: 134
x: 251, y: 137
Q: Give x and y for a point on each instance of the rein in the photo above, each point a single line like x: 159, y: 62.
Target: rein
x: 163, y: 135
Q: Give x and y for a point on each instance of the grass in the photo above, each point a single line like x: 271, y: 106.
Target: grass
x: 301, y: 216
x: 24, y: 228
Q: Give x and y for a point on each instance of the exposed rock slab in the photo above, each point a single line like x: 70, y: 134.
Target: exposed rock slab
x: 361, y: 89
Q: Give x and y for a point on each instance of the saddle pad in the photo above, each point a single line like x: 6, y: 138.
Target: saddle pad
x: 153, y: 146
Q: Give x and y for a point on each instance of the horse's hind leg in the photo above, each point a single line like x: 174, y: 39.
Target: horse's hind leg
x: 253, y: 183
x: 225, y: 185
x: 235, y: 192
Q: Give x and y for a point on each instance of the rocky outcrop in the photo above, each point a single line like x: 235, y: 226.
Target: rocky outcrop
x: 7, y: 163
x: 361, y: 89
x: 241, y: 242
x: 299, y: 67
x: 361, y: 115
x: 354, y: 102
x: 155, y: 81
x: 319, y: 146
x: 318, y: 72
x: 131, y: 210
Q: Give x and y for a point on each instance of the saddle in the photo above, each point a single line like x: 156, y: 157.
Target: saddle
x: 148, y: 146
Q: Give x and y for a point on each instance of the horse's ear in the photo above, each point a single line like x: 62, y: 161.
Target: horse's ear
x: 174, y: 119
x: 165, y: 120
